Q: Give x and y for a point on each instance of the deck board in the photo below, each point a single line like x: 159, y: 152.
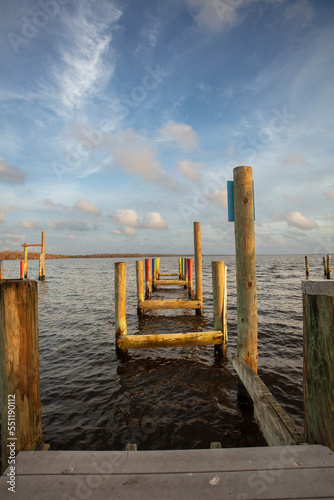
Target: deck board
x: 278, y: 472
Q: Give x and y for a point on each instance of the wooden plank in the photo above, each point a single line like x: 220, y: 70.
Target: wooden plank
x: 169, y: 274
x: 169, y: 461
x: 310, y: 287
x: 170, y: 282
x: 169, y: 340
x: 170, y: 304
x: 215, y: 485
x: 273, y: 421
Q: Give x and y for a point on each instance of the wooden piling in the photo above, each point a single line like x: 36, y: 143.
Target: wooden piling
x: 198, y: 265
x: 245, y: 265
x: 148, y: 279
x: 22, y: 267
x: 328, y: 267
x: 324, y: 261
x: 120, y: 300
x: 42, y: 258
x: 186, y: 272
x: 25, y: 260
x: 140, y: 285
x: 190, y: 278
x: 219, y: 305
x: 21, y: 424
x: 1, y: 270
x: 180, y: 268
x: 307, y: 269
x: 318, y: 330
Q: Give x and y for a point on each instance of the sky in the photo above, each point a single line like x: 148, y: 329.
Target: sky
x: 121, y: 122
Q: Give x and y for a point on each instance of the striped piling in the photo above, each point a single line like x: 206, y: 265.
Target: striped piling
x: 148, y: 279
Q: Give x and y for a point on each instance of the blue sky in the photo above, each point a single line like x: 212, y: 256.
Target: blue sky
x: 121, y: 122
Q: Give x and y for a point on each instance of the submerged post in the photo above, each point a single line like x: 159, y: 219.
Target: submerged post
x: 148, y: 278
x: 21, y: 413
x: 219, y: 303
x: 198, y: 265
x: 307, y: 269
x: 140, y: 285
x: 245, y: 265
x: 120, y: 301
x: 318, y: 329
x: 190, y: 278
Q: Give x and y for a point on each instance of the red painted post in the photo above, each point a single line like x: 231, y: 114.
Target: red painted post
x: 22, y: 269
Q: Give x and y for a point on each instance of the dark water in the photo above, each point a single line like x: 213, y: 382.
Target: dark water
x: 159, y: 399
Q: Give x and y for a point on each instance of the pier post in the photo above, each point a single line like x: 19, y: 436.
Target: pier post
x: 25, y: 260
x: 180, y: 268
x: 318, y: 330
x: 153, y: 274
x: 307, y: 268
x: 198, y: 265
x: 190, y: 278
x: 140, y: 285
x: 120, y: 301
x: 324, y: 261
x: 148, y: 278
x: 219, y: 303
x: 328, y: 267
x: 42, y: 259
x: 1, y: 270
x: 245, y: 265
x: 21, y: 423
x: 22, y: 266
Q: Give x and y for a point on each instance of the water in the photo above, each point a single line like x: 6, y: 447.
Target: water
x: 170, y: 398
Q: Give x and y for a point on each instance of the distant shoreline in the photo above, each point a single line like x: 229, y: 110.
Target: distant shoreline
x: 7, y: 255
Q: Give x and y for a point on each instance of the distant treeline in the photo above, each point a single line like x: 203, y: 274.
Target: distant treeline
x: 17, y: 255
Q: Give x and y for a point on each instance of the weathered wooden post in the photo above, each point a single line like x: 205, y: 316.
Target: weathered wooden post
x: 186, y: 272
x: 22, y: 266
x: 42, y: 259
x: 245, y: 264
x: 157, y: 268
x: 1, y: 270
x: 328, y: 267
x: 120, y: 301
x: 307, y: 269
x: 198, y: 265
x: 324, y: 261
x: 140, y: 285
x: 25, y: 260
x: 190, y: 278
x: 318, y: 328
x: 21, y: 413
x: 153, y: 274
x: 148, y: 278
x: 219, y: 304
x: 180, y: 268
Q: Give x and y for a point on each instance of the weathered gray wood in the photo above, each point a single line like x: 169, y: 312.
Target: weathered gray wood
x: 169, y: 461
x: 318, y: 313
x: 310, y: 287
x: 245, y: 265
x: 285, y: 473
x: 275, y: 424
x: 171, y: 304
x: 169, y: 340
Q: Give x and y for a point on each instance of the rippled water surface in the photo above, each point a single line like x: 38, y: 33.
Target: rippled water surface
x: 159, y: 399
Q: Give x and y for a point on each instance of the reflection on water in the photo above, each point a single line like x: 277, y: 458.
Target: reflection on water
x: 160, y: 399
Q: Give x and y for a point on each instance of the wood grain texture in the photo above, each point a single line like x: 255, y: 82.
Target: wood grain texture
x: 171, y: 304
x: 120, y: 299
x: 169, y: 340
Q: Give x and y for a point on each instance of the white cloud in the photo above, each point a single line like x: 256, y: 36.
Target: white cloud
x: 85, y: 60
x: 296, y: 219
x: 190, y: 169
x: 181, y: 133
x: 153, y: 220
x: 26, y: 224
x: 14, y: 240
x: 129, y: 219
x: 218, y: 197
x: 2, y: 217
x: 136, y: 155
x: 126, y: 217
x: 55, y: 205
x: 11, y: 173
x: 86, y: 207
x: 330, y: 194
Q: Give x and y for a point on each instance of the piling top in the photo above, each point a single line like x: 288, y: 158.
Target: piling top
x: 313, y: 287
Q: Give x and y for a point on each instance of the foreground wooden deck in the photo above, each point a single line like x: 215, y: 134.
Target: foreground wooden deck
x: 277, y: 472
